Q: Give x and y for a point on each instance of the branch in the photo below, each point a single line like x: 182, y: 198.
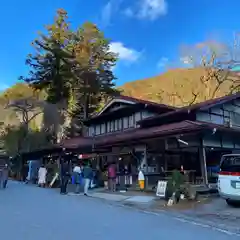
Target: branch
x: 186, y: 103
x: 36, y: 114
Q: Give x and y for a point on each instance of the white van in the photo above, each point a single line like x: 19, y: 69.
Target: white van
x: 229, y: 178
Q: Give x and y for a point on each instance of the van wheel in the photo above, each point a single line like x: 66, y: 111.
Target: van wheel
x: 232, y: 203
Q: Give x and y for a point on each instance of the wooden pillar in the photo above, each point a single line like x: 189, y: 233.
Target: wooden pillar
x: 146, y: 163
x: 165, y: 155
x: 203, y: 162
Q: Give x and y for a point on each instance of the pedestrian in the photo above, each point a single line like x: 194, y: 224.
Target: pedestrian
x: 65, y: 175
x: 87, y: 174
x: 112, y: 177
x: 42, y: 173
x: 77, y: 175
x: 4, y: 176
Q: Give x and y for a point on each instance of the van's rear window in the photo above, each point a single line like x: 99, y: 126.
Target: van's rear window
x: 230, y: 164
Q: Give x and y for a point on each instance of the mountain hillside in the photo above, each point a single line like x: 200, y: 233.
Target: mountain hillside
x: 174, y: 87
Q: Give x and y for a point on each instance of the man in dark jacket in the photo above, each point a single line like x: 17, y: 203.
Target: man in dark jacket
x: 88, y: 175
x: 65, y: 175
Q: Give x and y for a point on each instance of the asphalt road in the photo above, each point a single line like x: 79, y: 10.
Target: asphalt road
x: 31, y: 213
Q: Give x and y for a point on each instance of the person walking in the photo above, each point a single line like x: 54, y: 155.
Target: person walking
x: 112, y: 177
x: 77, y: 175
x: 65, y: 174
x: 42, y: 173
x: 4, y: 176
x: 87, y: 174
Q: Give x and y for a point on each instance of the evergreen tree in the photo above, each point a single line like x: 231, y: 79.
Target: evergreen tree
x: 92, y: 68
x: 49, y: 70
x: 73, y: 68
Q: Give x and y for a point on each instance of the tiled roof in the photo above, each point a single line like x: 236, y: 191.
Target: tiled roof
x: 198, y: 106
x: 138, y: 100
x: 138, y: 103
x: 76, y: 142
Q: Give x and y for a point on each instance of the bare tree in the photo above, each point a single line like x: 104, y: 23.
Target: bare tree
x: 26, y: 109
x: 218, y: 62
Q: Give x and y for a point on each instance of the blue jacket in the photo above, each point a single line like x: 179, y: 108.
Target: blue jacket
x: 87, y: 172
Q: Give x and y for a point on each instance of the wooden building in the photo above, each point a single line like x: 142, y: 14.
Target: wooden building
x: 161, y: 138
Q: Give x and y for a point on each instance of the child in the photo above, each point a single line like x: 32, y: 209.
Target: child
x: 42, y: 173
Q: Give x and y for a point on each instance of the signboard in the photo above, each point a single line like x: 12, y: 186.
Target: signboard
x: 54, y: 179
x: 161, y: 189
x: 86, y: 156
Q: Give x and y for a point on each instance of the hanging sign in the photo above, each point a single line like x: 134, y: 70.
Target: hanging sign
x: 161, y: 189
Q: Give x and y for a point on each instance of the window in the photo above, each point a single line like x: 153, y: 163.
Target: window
x: 137, y: 117
x: 108, y: 127
x: 226, y: 113
x: 125, y: 122
x: 230, y: 163
x: 217, y: 119
x: 91, y: 131
x: 146, y: 114
x: 131, y: 123
x: 112, y: 126
x: 103, y: 128
x: 116, y: 125
x: 235, y: 118
x: 97, y: 129
x: 217, y: 111
x: 120, y: 124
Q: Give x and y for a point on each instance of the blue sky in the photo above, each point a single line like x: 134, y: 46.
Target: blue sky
x: 147, y: 34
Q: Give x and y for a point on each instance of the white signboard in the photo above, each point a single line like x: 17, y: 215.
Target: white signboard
x: 161, y: 189
x: 54, y: 179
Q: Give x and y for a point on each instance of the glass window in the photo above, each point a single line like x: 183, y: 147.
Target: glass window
x: 217, y: 111
x: 97, y: 129
x: 125, y: 122
x: 103, y: 128
x: 217, y: 119
x: 146, y: 114
x: 235, y: 118
x: 226, y: 113
x: 108, y: 127
x: 91, y: 131
x: 116, y: 125
x: 137, y: 117
x: 120, y: 124
x: 112, y: 126
x: 131, y: 123
x: 230, y: 163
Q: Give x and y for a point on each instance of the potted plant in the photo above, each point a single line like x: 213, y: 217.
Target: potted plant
x: 174, y: 187
x: 105, y: 178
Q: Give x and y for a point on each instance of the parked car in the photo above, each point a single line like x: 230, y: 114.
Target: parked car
x: 229, y: 178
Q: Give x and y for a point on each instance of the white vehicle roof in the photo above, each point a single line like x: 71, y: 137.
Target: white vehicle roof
x: 232, y: 154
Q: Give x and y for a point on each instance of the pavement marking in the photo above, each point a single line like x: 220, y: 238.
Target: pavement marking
x: 207, y: 226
